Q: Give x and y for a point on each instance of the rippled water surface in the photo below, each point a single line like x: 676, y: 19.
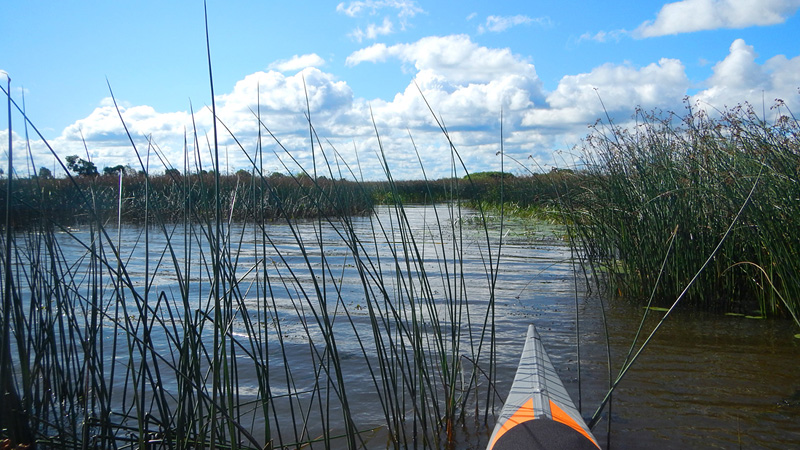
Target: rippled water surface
x: 705, y: 382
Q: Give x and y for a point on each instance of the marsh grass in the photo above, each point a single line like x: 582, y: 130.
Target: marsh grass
x: 523, y: 193
x: 60, y: 198
x: 671, y: 187
x: 164, y: 311
x: 196, y: 327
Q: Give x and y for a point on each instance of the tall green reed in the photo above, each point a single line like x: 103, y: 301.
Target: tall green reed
x: 678, y: 182
x: 198, y: 327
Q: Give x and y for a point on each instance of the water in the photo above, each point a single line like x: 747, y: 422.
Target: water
x: 705, y: 382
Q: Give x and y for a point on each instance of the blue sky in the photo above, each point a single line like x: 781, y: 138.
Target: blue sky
x: 542, y: 63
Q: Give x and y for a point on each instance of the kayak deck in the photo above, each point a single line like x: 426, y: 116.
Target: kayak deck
x: 539, y: 413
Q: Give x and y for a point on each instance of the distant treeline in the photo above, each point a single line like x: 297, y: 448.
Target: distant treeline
x: 531, y: 190
x: 173, y: 197
x: 243, y: 196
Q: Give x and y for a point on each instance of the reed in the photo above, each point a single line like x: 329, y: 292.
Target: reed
x: 60, y: 199
x: 532, y: 195
x: 197, y: 326
x: 677, y: 183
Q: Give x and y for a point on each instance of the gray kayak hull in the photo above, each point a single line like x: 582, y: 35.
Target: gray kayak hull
x: 539, y: 413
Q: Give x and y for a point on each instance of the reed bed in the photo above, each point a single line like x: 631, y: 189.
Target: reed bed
x: 531, y: 190
x: 61, y: 199
x: 164, y: 311
x: 533, y: 195
x: 196, y: 327
x: 661, y: 196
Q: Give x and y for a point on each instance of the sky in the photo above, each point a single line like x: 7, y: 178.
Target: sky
x: 375, y: 77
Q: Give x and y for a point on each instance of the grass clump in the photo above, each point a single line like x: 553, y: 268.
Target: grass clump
x: 684, y: 180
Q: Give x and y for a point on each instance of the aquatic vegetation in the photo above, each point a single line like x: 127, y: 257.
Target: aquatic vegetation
x: 672, y: 186
x: 154, y: 333
x: 196, y: 326
x: 60, y: 198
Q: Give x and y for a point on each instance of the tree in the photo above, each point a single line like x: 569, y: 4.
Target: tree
x: 81, y: 167
x: 172, y: 172
x: 116, y: 170
x: 45, y: 173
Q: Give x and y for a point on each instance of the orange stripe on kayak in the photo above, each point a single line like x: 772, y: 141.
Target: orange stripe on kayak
x: 523, y: 414
x: 560, y: 416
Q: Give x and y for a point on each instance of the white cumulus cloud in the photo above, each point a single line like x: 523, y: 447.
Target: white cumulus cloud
x: 455, y: 57
x: 283, y: 100
x: 296, y: 63
x: 739, y: 78
x: 466, y: 84
x: 613, y: 89
x: 695, y: 15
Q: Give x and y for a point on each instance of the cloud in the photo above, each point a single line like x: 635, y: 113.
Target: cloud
x: 103, y: 128
x: 611, y: 89
x: 695, y: 15
x: 470, y: 107
x: 604, y: 36
x: 456, y: 58
x: 282, y: 102
x: 296, y: 63
x: 455, y: 65
x: 373, y: 31
x: 497, y: 24
x: 374, y: 53
x: 467, y: 86
x: 739, y: 78
x: 405, y: 8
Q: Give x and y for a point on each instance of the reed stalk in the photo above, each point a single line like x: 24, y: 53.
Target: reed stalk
x: 682, y: 180
x: 197, y: 326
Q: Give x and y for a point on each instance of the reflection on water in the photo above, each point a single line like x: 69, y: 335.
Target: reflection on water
x: 705, y: 382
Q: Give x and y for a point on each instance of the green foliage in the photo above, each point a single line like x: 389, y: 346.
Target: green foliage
x: 60, y: 199
x: 45, y: 173
x: 679, y: 185
x: 172, y: 172
x: 81, y: 167
x: 529, y: 195
x: 493, y: 175
x: 117, y: 170
x: 535, y: 191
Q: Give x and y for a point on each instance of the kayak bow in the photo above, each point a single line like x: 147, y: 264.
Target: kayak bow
x: 539, y: 413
